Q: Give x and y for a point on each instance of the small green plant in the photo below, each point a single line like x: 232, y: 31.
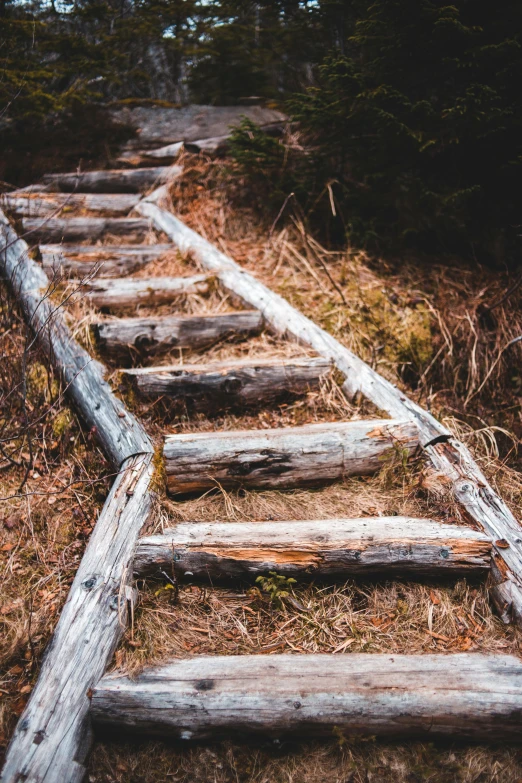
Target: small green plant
x: 277, y: 586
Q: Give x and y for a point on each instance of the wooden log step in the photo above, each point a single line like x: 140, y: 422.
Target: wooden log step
x: 111, y: 181
x: 465, y: 695
x: 45, y: 204
x: 145, y: 336
x: 395, y: 546
x: 107, y: 260
x: 124, y: 292
x: 307, y: 456
x: 77, y: 228
x: 230, y: 384
x: 161, y: 155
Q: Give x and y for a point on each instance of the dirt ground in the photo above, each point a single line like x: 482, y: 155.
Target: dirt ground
x: 420, y: 324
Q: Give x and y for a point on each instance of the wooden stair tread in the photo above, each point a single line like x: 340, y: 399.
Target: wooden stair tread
x: 78, y: 228
x: 466, y: 695
x: 153, y: 335
x: 311, y: 455
x: 106, y: 260
x: 232, y: 383
x: 111, y: 180
x: 45, y: 204
x: 315, y: 548
x: 118, y: 293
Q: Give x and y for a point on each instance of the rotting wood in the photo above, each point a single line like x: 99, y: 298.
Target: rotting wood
x: 465, y: 695
x: 75, y: 229
x: 106, y: 260
x: 231, y: 384
x: 391, y: 546
x: 46, y: 204
x: 127, y: 292
x: 111, y: 181
x: 53, y: 736
x: 146, y: 336
x: 119, y: 433
x: 491, y: 513
x: 307, y: 456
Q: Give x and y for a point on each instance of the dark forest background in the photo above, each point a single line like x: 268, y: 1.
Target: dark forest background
x: 405, y: 115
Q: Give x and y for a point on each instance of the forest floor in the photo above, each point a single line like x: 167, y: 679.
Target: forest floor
x: 419, y: 323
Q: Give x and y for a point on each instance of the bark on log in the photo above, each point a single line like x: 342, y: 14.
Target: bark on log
x: 464, y: 695
x: 232, y: 384
x: 111, y: 181
x: 308, y: 456
x: 481, y: 503
x: 117, y: 294
x: 53, y: 736
x: 146, y: 336
x: 391, y: 546
x: 44, y: 205
x: 77, y: 228
x: 105, y: 260
x: 119, y: 433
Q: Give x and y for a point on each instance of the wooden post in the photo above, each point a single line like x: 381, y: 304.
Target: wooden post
x: 308, y: 456
x: 322, y: 548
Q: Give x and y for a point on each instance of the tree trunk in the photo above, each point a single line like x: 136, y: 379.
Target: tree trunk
x: 231, y: 384
x: 146, y: 336
x: 464, y: 695
x: 306, y: 456
x: 388, y: 546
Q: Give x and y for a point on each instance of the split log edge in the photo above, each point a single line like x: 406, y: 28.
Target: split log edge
x: 391, y: 546
x: 469, y: 696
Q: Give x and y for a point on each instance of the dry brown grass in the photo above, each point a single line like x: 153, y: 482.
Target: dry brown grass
x: 397, y: 322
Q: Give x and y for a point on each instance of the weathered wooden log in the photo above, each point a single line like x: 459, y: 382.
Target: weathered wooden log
x: 105, y: 260
x: 217, y: 145
x: 450, y: 458
x: 119, y: 433
x: 232, y: 384
x: 117, y: 294
x: 52, y: 738
x: 45, y: 204
x: 112, y: 181
x: 77, y: 228
x: 391, y: 546
x: 308, y: 456
x: 160, y: 155
x: 145, y: 336
x: 464, y: 695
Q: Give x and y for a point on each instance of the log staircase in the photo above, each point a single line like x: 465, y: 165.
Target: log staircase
x: 465, y: 695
